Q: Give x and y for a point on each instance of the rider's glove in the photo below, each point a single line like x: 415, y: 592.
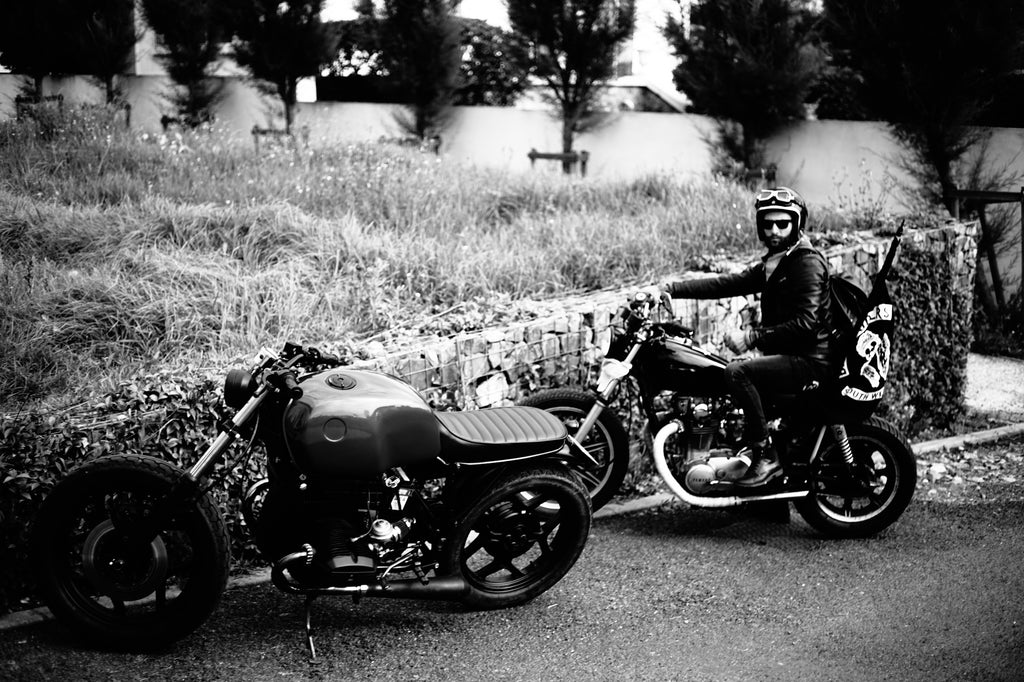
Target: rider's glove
x: 738, y: 341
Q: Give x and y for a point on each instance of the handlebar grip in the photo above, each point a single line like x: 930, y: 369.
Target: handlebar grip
x: 291, y: 385
x: 285, y: 382
x: 328, y: 359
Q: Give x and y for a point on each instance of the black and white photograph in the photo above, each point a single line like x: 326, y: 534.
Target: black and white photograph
x: 512, y: 340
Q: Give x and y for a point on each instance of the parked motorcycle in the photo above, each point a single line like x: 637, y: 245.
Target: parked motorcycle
x: 848, y: 475
x: 369, y: 492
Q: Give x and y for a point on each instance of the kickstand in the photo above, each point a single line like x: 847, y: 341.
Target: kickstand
x: 309, y: 625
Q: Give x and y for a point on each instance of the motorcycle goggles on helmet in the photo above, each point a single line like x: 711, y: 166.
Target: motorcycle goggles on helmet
x: 782, y: 194
x: 780, y: 198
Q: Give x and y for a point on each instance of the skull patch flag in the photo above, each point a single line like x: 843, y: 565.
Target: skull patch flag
x: 866, y: 355
x: 865, y: 367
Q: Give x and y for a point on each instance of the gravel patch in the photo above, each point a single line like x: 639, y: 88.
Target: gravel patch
x: 973, y: 474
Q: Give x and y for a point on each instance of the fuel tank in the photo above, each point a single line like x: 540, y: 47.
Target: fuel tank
x: 359, y: 423
x: 672, y: 363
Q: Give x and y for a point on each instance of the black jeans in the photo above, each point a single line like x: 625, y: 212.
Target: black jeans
x: 771, y: 374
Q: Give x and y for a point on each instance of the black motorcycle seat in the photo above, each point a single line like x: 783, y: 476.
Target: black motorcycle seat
x: 499, y: 434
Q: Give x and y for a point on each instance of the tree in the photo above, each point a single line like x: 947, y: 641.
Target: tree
x: 357, y: 45
x: 190, y: 34
x: 491, y: 66
x: 930, y: 68
x: 279, y: 43
x: 493, y: 71
x: 32, y: 39
x: 748, y: 63
x: 100, y: 39
x: 573, y: 49
x: 422, y: 52
x: 51, y: 37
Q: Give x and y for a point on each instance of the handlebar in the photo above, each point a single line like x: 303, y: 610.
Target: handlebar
x: 284, y: 381
x: 642, y: 306
x: 308, y: 356
x: 281, y: 372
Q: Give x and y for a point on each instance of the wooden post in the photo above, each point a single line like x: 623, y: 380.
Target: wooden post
x: 571, y: 158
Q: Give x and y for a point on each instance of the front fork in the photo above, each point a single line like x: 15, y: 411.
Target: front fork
x: 227, y: 435
x: 612, y: 374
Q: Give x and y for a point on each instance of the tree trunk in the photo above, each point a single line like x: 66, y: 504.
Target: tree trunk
x: 988, y: 247
x: 750, y: 160
x: 287, y: 90
x: 983, y: 293
x: 567, y: 139
x: 108, y: 83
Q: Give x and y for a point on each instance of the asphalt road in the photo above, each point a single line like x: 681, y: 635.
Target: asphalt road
x: 667, y: 594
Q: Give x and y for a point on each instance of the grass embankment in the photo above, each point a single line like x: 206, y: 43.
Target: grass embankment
x: 120, y: 251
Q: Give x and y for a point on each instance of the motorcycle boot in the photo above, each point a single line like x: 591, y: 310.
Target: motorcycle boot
x: 764, y: 464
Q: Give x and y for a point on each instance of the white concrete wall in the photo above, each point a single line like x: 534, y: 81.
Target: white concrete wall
x: 633, y: 144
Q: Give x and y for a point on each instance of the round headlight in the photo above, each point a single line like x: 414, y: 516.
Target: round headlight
x: 238, y: 388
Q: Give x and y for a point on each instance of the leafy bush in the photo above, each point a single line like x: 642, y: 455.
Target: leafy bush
x: 169, y: 416
x: 926, y: 389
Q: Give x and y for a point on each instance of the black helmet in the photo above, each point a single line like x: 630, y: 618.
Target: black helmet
x: 780, y: 199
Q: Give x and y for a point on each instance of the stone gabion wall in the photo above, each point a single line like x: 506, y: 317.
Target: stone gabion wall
x: 499, y: 365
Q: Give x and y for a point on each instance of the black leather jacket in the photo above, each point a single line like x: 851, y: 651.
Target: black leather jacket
x: 794, y: 301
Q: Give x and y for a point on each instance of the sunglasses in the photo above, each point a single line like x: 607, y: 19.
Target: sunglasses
x: 783, y: 195
x: 780, y: 225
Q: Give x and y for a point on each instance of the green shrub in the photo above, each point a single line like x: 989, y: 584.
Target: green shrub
x: 166, y: 416
x: 933, y: 334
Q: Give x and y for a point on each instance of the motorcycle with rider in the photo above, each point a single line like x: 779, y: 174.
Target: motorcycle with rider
x: 788, y: 418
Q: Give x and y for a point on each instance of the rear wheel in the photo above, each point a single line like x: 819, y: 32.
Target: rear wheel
x: 110, y: 579
x: 607, y: 441
x: 518, y: 538
x: 870, y: 496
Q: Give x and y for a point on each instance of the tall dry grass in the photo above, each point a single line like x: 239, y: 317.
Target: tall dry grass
x: 120, y: 250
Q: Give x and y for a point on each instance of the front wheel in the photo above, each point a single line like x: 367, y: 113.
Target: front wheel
x: 607, y: 441
x: 519, y: 537
x: 863, y: 499
x: 118, y: 569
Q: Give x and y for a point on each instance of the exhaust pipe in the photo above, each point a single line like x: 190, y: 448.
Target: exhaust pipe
x: 679, y: 491
x: 443, y: 588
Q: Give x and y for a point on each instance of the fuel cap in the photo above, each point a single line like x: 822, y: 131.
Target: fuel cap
x: 341, y: 381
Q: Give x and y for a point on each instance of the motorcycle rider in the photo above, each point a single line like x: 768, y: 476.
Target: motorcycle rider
x: 792, y: 278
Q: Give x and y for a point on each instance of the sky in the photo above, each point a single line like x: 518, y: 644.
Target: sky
x: 491, y: 11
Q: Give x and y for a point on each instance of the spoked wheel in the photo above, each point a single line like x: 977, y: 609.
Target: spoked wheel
x: 864, y: 499
x: 113, y: 576
x: 520, y: 537
x: 607, y: 441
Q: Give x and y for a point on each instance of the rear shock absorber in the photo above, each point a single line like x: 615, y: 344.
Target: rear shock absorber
x: 839, y: 433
